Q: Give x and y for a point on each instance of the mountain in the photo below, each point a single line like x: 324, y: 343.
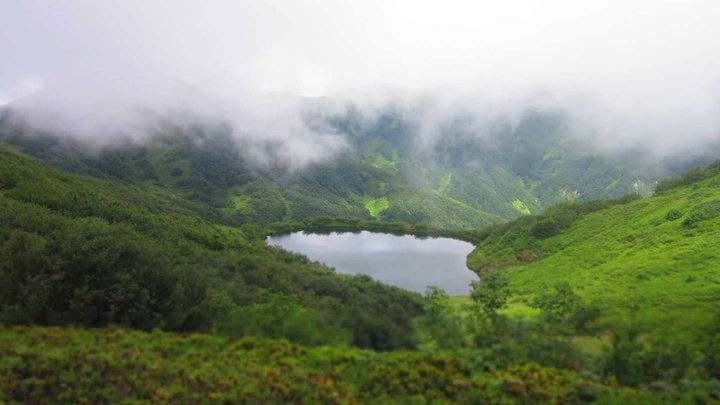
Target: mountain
x: 467, y: 176
x: 205, y: 163
x: 505, y: 167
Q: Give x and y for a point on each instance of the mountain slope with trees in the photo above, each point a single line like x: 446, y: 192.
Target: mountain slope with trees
x: 76, y: 250
x: 467, y: 175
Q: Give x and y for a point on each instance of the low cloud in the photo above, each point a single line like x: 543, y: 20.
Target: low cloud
x: 270, y: 129
x: 629, y: 75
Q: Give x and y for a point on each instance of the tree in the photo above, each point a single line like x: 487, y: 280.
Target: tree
x: 441, y: 325
x: 491, y: 292
x: 565, y: 309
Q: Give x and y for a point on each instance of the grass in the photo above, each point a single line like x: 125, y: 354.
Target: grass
x: 240, y: 203
x: 515, y: 308
x: 592, y: 345
x: 521, y: 207
x: 613, y: 184
x: 383, y: 163
x: 376, y: 206
x: 444, y: 183
x: 657, y: 258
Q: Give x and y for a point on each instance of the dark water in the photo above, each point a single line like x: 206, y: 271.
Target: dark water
x: 404, y: 261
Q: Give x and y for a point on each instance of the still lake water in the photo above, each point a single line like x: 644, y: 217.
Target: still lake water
x: 404, y: 261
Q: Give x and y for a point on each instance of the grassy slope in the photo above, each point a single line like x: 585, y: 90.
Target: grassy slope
x: 645, y: 254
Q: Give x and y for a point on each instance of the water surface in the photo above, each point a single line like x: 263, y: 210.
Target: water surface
x: 404, y: 261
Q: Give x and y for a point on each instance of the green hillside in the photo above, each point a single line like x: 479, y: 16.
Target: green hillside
x: 204, y: 164
x: 500, y: 166
x: 656, y: 258
x: 465, y: 178
x: 77, y: 250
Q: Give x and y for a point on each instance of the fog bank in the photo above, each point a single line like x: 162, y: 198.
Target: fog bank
x: 639, y: 74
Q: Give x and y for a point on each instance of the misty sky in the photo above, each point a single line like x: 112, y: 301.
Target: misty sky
x: 644, y: 68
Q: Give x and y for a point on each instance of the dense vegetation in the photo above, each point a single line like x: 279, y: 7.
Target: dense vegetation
x: 82, y: 251
x: 609, y: 301
x: 49, y: 365
x: 478, y: 355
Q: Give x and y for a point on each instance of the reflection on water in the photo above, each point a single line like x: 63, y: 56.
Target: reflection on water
x: 404, y: 261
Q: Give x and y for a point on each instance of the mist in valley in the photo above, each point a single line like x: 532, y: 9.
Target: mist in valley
x: 638, y: 77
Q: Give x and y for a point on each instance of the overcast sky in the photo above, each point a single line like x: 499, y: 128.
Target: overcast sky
x: 653, y: 66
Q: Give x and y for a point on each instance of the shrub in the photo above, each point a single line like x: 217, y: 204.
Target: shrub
x: 692, y: 176
x: 282, y: 318
x: 703, y: 212
x: 554, y: 221
x: 492, y: 292
x: 673, y: 215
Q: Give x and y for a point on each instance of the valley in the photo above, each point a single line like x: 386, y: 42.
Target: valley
x: 171, y: 235
x: 370, y: 202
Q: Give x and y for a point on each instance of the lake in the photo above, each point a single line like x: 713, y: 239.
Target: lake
x: 405, y: 261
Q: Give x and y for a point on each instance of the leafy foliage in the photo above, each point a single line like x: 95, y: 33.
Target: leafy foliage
x: 50, y: 365
x: 491, y: 293
x: 689, y: 177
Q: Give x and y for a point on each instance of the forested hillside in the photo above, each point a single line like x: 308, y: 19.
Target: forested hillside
x: 206, y: 165
x: 50, y: 365
x: 76, y: 250
x: 506, y: 167
x: 464, y: 177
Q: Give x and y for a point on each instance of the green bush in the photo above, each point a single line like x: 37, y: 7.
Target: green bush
x: 673, y: 215
x: 703, y: 212
x: 282, y: 318
x: 692, y: 176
